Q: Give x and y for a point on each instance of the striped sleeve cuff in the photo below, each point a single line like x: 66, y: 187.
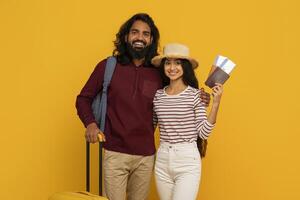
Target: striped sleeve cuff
x: 206, y: 129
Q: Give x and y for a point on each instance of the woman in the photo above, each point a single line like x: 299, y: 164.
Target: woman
x: 181, y: 117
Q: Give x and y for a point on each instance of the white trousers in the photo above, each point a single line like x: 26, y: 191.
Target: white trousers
x: 178, y: 171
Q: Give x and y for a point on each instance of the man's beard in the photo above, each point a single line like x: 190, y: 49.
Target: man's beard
x: 136, y: 53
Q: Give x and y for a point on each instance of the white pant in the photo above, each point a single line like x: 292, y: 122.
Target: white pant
x: 177, y: 171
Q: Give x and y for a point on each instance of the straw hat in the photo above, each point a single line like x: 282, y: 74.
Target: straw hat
x: 175, y: 50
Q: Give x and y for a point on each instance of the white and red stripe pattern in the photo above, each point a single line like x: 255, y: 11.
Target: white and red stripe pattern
x: 180, y: 117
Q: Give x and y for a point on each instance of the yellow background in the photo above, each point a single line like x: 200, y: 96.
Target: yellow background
x: 50, y: 47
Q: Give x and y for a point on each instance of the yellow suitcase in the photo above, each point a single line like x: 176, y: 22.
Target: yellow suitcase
x: 84, y: 195
x: 76, y: 196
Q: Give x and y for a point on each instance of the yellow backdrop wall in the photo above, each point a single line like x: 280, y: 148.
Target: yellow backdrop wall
x: 48, y: 48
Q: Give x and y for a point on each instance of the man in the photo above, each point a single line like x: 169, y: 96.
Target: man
x: 129, y: 141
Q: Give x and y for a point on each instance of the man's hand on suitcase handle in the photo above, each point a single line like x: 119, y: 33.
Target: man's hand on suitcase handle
x: 93, y: 133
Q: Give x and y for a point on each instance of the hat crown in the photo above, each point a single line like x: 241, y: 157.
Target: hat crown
x: 176, y: 49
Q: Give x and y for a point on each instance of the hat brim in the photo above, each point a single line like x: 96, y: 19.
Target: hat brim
x: 157, y: 60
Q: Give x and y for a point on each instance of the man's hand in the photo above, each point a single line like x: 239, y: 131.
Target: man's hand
x: 93, y: 133
x: 205, y: 97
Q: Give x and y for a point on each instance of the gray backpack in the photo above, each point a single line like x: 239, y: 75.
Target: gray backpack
x: 100, y: 101
x: 99, y: 110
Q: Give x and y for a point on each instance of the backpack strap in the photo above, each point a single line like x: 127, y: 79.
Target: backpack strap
x: 109, y: 70
x: 99, y: 106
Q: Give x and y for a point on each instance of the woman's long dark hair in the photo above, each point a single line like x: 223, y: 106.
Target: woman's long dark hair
x: 189, y: 78
x: 121, y: 51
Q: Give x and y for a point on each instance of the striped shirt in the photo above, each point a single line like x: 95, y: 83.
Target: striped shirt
x: 180, y: 117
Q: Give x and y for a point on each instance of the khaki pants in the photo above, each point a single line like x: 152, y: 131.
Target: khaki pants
x: 127, y: 174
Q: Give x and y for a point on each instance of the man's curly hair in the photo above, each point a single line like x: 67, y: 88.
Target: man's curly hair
x: 121, y: 51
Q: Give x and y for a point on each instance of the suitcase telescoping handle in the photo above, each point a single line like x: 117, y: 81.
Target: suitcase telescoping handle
x: 88, y: 167
x: 87, y: 176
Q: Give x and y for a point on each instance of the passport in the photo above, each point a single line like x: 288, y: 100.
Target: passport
x: 220, y: 71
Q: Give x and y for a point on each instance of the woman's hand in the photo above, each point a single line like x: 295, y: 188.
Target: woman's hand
x: 217, y: 92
